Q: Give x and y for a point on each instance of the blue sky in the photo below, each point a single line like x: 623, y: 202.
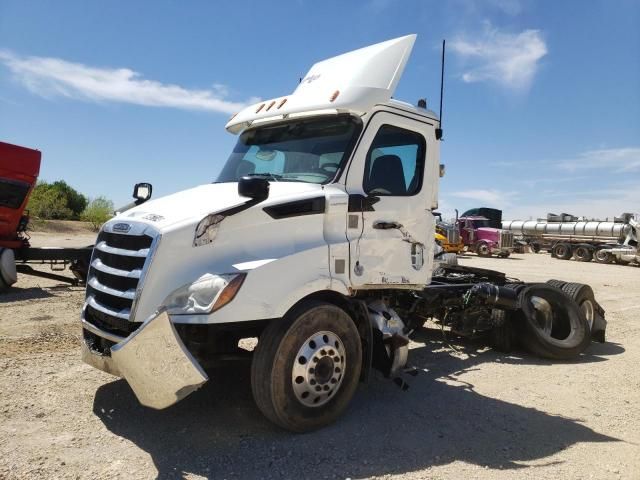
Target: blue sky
x: 542, y: 99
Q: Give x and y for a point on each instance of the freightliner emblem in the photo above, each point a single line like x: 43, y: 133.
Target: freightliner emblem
x: 121, y: 227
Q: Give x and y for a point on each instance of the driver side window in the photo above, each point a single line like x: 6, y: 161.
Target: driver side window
x: 395, y: 163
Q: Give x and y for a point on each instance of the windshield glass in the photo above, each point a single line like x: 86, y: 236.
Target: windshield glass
x: 480, y: 223
x: 310, y: 150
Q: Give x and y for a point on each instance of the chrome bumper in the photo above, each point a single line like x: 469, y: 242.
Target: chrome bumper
x: 153, y: 360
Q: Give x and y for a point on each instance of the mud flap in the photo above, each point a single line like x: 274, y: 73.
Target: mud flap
x: 157, y: 365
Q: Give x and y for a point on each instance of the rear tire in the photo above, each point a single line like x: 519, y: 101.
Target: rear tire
x: 556, y: 283
x: 583, y: 253
x: 285, y: 389
x: 552, y: 325
x: 602, y: 257
x: 449, y: 259
x: 583, y: 295
x: 502, y: 336
x: 562, y: 251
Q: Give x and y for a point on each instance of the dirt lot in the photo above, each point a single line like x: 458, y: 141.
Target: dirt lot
x: 470, y: 413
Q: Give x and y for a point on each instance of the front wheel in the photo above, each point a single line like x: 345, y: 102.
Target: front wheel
x: 306, y: 367
x: 483, y: 249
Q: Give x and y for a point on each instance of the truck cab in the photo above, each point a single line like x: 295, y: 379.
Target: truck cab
x: 326, y: 198
x: 19, y: 168
x: 482, y: 239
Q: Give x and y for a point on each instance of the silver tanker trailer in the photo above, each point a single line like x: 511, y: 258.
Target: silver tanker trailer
x: 604, y: 242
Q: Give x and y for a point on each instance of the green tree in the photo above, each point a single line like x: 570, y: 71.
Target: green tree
x: 56, y: 201
x: 98, y: 211
x: 76, y: 202
x: 48, y: 203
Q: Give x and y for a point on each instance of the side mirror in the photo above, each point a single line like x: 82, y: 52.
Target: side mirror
x: 256, y: 188
x: 442, y: 170
x: 142, y: 192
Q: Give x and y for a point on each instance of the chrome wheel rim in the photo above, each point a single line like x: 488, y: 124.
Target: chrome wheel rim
x: 544, y: 314
x: 601, y: 256
x: 589, y: 312
x: 318, y: 369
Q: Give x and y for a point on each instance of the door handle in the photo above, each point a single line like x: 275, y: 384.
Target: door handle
x: 382, y: 225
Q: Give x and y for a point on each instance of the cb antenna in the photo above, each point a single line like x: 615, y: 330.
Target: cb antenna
x: 439, y: 129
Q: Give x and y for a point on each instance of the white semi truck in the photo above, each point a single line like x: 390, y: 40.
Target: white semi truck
x: 317, y: 238
x: 604, y: 242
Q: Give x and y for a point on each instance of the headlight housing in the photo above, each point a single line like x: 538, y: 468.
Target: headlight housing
x: 207, y: 294
x: 207, y: 230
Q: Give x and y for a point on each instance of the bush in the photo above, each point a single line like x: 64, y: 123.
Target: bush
x: 98, y: 211
x: 56, y: 201
x: 47, y: 203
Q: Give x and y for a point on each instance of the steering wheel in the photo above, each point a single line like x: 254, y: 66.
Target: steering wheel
x: 379, y: 190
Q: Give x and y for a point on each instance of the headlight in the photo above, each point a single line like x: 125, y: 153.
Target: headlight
x: 205, y: 295
x: 207, y: 230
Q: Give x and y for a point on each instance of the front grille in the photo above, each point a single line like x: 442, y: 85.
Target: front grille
x: 116, y: 268
x: 506, y: 239
x: 116, y: 325
x: 453, y: 236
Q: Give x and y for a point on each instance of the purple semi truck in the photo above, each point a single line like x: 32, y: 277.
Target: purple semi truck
x: 480, y: 237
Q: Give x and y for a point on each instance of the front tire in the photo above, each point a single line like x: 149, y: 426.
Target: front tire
x: 306, y: 367
x: 483, y: 249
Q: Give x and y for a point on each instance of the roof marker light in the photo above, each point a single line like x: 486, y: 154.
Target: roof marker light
x: 270, y: 105
x: 284, y: 100
x: 260, y: 108
x: 334, y: 95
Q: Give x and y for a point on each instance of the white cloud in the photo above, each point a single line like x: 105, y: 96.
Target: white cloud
x: 491, y: 198
x: 510, y: 60
x: 50, y: 77
x: 617, y: 160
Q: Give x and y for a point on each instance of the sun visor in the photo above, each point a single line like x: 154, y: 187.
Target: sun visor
x: 354, y: 81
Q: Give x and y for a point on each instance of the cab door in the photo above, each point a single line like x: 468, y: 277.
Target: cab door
x: 390, y: 227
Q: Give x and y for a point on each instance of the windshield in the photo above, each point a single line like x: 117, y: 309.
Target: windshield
x: 311, y: 150
x: 481, y: 223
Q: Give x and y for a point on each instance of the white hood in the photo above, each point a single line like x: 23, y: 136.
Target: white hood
x: 190, y: 206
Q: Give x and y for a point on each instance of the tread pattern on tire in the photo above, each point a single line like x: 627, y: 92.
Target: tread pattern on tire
x: 267, y: 380
x: 556, y: 283
x: 536, y: 343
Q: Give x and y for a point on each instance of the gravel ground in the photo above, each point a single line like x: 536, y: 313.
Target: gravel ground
x: 470, y: 413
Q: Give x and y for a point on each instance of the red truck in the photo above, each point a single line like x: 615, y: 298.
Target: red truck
x: 19, y: 169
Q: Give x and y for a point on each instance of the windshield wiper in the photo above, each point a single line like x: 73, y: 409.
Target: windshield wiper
x: 273, y: 176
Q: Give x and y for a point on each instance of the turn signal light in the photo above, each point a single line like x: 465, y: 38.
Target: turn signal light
x: 229, y: 292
